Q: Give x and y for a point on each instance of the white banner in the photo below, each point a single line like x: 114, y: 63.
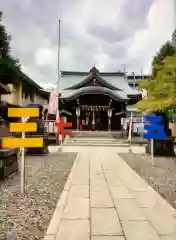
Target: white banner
x: 53, y: 102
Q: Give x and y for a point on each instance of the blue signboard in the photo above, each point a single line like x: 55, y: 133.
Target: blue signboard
x: 155, y: 128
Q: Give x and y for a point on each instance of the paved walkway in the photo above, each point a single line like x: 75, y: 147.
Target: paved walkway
x: 104, y: 199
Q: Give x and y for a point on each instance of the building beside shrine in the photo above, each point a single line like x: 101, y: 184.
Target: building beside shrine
x: 20, y: 92
x: 96, y: 100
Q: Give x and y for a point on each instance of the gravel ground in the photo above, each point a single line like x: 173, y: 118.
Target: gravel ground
x: 161, y: 176
x: 27, y: 217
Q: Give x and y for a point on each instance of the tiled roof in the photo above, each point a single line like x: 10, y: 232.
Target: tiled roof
x: 118, y: 82
x: 28, y: 80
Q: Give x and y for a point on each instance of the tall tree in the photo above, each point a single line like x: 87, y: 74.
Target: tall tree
x: 4, y: 40
x: 9, y: 66
x: 167, y: 49
x: 161, y: 99
x: 162, y: 91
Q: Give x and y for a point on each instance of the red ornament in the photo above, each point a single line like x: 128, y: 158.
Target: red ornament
x: 61, y: 125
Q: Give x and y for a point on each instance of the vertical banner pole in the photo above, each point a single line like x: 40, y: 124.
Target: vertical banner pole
x: 130, y: 130
x: 58, y: 81
x: 142, y: 115
x: 142, y: 126
x: 152, y: 151
x: 134, y: 80
x: 22, y: 180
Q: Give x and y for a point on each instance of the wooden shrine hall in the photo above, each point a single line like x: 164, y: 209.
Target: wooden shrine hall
x: 94, y: 100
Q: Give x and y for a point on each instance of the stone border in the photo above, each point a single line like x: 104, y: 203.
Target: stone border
x: 59, y: 147
x: 66, y: 139
x: 56, y: 217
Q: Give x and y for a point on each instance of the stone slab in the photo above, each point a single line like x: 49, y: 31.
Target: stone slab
x: 107, y: 238
x: 101, y: 199
x: 128, y: 210
x: 76, y: 208
x: 104, y: 221
x: 77, y: 191
x: 161, y: 219
x: 167, y: 237
x: 74, y: 230
x: 120, y: 192
x: 139, y: 230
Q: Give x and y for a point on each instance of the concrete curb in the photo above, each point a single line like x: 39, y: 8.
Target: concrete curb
x: 66, y: 139
x: 56, y: 217
x: 58, y: 148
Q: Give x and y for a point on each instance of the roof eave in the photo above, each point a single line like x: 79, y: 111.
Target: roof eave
x: 4, y: 89
x: 93, y: 90
x: 29, y: 81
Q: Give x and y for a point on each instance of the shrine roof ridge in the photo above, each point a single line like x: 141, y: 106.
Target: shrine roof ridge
x: 77, y: 73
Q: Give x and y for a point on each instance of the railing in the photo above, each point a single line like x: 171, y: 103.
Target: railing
x: 50, y: 126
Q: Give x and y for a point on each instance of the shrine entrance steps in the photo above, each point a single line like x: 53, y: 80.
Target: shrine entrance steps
x: 102, y: 138
x: 107, y: 134
x: 95, y: 141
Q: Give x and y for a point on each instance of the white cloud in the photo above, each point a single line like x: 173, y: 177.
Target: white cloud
x: 34, y: 28
x: 101, y: 60
x: 45, y: 56
x: 148, y: 41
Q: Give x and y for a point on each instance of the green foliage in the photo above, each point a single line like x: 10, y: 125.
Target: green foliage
x: 4, y: 40
x: 9, y: 67
x: 161, y: 89
x: 168, y: 49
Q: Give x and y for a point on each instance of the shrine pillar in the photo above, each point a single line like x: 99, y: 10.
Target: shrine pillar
x: 93, y: 119
x: 77, y: 116
x: 109, y: 118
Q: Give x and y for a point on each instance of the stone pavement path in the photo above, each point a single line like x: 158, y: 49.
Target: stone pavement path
x: 104, y: 199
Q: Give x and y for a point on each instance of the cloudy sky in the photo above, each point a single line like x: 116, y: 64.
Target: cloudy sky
x: 106, y: 33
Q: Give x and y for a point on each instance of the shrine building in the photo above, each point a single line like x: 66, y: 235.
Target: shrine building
x: 96, y: 100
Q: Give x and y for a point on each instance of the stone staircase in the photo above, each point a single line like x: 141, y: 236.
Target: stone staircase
x: 100, y: 138
x: 105, y: 134
x: 95, y: 141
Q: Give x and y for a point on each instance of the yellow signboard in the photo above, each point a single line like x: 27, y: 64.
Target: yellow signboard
x: 23, y: 127
x: 11, y: 142
x: 22, y: 142
x: 23, y: 112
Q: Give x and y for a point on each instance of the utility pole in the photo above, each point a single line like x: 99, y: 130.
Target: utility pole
x: 58, y: 80
x: 134, y: 80
x: 124, y: 70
